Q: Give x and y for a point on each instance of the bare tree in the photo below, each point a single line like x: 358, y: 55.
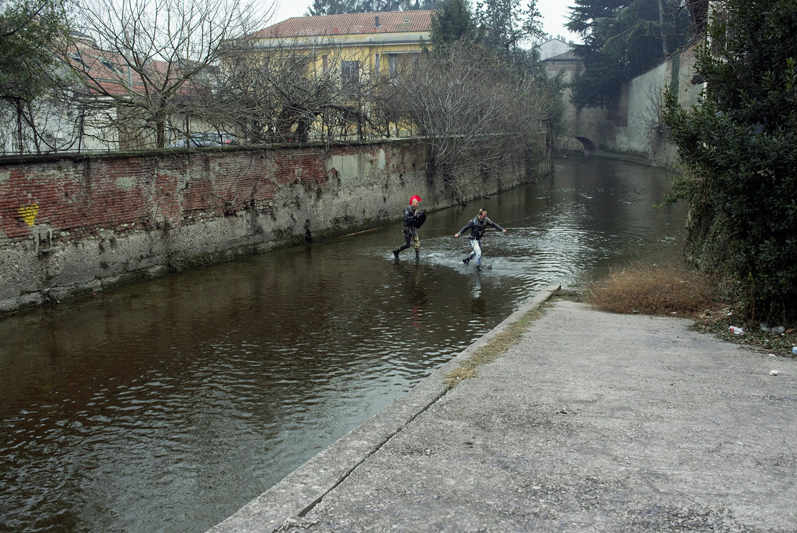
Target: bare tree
x: 296, y: 93
x: 390, y: 109
x: 473, y: 113
x: 447, y: 101
x: 143, y: 60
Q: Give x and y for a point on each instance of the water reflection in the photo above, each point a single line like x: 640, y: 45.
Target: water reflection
x: 175, y: 402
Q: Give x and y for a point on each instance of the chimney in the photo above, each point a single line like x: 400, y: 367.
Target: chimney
x: 376, y: 22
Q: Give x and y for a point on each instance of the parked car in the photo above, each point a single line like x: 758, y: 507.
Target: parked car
x: 225, y: 139
x: 196, y: 140
x: 199, y: 140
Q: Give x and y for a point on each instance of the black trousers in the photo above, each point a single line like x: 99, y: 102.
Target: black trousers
x: 410, y: 236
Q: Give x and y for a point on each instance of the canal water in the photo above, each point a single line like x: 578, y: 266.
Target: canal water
x: 168, y: 405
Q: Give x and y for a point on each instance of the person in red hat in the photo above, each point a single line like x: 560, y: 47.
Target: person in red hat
x: 413, y: 218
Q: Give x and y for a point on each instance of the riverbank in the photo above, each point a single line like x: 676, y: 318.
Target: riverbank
x: 75, y: 225
x: 592, y: 422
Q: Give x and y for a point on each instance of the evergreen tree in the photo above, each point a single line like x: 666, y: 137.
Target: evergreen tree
x: 338, y: 7
x: 451, y: 23
x: 622, y: 39
x: 505, y: 25
x: 330, y: 7
x: 739, y: 146
x: 30, y: 32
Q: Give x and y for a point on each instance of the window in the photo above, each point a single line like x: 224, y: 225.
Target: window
x: 77, y: 57
x: 392, y: 65
x: 350, y: 74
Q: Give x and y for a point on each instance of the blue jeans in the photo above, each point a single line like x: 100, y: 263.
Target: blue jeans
x: 477, y: 251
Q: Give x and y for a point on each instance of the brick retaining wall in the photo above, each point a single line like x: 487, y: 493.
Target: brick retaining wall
x: 72, y: 225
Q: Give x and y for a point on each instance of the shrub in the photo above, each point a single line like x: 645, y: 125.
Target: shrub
x: 652, y: 290
x: 740, y: 148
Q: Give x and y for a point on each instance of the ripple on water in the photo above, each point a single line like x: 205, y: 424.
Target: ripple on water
x: 177, y: 401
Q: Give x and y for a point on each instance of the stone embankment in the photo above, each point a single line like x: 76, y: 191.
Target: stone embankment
x: 72, y: 225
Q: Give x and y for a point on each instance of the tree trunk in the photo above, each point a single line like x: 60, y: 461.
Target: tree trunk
x: 19, y: 126
x: 662, y: 29
x: 160, y: 131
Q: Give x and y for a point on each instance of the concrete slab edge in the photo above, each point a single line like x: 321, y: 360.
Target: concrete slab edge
x: 306, y: 486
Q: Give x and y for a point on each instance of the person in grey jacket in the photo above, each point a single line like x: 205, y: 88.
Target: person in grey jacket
x: 477, y: 227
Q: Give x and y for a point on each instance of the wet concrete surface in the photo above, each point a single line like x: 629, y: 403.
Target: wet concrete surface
x: 593, y: 422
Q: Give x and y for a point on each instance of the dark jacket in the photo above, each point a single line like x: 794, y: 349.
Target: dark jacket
x: 477, y: 227
x: 409, y: 216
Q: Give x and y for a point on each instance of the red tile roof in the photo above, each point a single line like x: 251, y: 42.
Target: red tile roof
x: 107, y: 72
x: 351, y: 23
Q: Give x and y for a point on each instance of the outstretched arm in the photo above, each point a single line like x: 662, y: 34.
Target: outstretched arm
x: 463, y: 230
x: 496, y: 226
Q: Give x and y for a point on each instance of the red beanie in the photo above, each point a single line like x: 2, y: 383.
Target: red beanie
x: 416, y: 197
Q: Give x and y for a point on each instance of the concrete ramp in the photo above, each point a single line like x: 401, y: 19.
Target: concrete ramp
x: 594, y: 422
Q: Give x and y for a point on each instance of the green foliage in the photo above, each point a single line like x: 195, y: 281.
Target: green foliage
x: 622, y: 39
x: 500, y: 28
x: 506, y: 25
x: 451, y: 23
x: 30, y: 31
x: 338, y: 7
x: 740, y: 147
x: 330, y: 7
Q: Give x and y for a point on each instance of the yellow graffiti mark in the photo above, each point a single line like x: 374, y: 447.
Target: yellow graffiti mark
x: 28, y: 213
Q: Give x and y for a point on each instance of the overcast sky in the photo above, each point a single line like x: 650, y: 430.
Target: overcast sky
x: 554, y: 14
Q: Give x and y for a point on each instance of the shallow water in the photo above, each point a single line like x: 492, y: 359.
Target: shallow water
x: 170, y: 404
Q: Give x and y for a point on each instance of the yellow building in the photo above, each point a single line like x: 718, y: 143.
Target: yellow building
x: 378, y: 41
x: 360, y: 51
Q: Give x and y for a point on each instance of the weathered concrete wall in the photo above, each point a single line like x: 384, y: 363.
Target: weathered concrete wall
x: 645, y: 133
x: 632, y: 126
x: 76, y: 225
x: 642, y: 110
x: 581, y: 126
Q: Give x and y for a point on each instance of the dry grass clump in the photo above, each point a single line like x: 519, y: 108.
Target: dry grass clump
x: 493, y: 349
x: 669, y: 290
x: 652, y: 290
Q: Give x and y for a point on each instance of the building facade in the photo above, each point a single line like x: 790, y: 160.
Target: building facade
x: 379, y: 43
x: 342, y: 69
